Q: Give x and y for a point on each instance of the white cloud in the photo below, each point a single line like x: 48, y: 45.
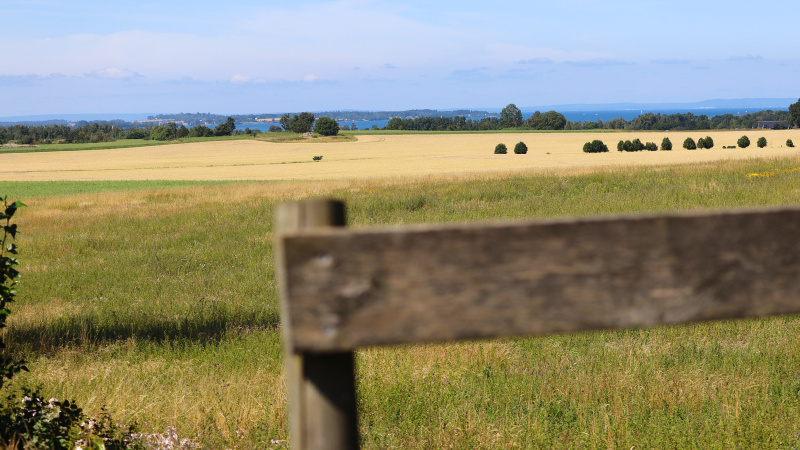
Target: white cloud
x: 310, y: 78
x: 114, y: 73
x: 240, y: 79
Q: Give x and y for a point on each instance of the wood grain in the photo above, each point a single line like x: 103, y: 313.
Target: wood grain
x: 345, y: 289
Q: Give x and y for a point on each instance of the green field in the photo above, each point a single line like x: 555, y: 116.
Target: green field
x: 158, y: 300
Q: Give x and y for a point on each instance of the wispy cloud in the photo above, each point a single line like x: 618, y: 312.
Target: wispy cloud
x: 670, y: 61
x: 746, y: 58
x: 389, y: 66
x: 536, y: 61
x: 114, y: 73
x: 599, y: 62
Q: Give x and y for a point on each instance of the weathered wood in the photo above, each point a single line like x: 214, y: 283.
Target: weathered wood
x: 346, y: 289
x: 322, y: 400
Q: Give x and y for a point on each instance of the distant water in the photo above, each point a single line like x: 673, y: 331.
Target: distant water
x: 574, y: 116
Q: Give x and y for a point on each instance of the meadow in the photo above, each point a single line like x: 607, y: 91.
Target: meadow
x: 158, y: 299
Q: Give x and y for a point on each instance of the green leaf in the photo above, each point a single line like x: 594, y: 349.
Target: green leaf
x: 18, y: 204
x: 12, y: 230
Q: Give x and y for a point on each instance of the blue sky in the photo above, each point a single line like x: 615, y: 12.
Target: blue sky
x: 262, y: 56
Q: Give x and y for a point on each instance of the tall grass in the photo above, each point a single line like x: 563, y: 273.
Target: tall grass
x: 161, y: 304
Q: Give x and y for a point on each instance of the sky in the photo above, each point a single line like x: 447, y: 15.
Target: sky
x: 249, y: 56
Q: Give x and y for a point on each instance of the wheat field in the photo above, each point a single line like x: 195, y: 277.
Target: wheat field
x: 379, y: 157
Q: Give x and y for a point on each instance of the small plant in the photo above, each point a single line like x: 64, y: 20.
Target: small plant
x: 500, y: 149
x: 666, y: 144
x: 317, y: 158
x: 9, y: 276
x: 596, y: 146
x: 520, y: 148
x: 789, y: 143
x: 743, y: 142
x: 689, y: 144
x: 651, y: 146
x: 761, y: 142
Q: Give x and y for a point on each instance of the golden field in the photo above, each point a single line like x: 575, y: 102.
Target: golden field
x: 379, y: 157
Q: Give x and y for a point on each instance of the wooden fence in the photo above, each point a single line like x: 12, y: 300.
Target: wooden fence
x: 344, y: 289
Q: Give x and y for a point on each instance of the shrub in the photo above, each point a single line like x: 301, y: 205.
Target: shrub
x: 317, y: 158
x: 761, y: 142
x: 326, y: 126
x: 689, y: 144
x: 596, y: 146
x: 500, y: 149
x: 651, y: 146
x: 743, y: 142
x: 621, y: 145
x: 520, y: 148
x: 666, y: 144
x: 274, y: 129
x: 709, y: 142
x: 637, y: 145
x: 701, y: 143
x: 789, y: 143
x: 628, y: 146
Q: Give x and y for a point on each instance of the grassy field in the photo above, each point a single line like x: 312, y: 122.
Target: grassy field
x: 376, y: 157
x: 159, y: 301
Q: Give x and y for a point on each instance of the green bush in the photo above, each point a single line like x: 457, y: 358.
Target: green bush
x: 500, y: 149
x: 761, y: 142
x: 789, y: 143
x: 689, y: 144
x: 621, y: 145
x: 326, y: 126
x: 316, y: 158
x: 709, y: 142
x: 701, y: 143
x: 596, y: 146
x: 651, y: 146
x: 666, y: 144
x: 628, y: 146
x: 520, y: 148
x: 743, y: 142
x: 637, y: 145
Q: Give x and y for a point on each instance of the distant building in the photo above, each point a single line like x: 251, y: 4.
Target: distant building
x: 772, y: 124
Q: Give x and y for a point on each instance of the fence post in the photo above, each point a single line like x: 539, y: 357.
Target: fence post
x: 322, y: 400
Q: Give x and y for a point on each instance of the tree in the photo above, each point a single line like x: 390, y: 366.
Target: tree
x: 353, y: 126
x: 743, y: 142
x: 650, y: 146
x: 326, y: 126
x: 225, y: 129
x: 596, y: 146
x: 302, y: 123
x: 637, y: 145
x: 510, y: 116
x: 551, y: 120
x: 500, y: 149
x: 794, y: 114
x: 183, y: 131
x: 761, y: 142
x: 274, y: 129
x: 286, y: 120
x: 689, y: 144
x: 621, y: 145
x: 709, y: 142
x: 666, y: 144
x: 520, y: 148
x: 135, y: 133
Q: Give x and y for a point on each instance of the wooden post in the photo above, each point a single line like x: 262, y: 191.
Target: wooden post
x: 322, y: 400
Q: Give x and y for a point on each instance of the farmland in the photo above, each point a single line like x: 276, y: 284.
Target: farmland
x: 375, y: 157
x: 157, y: 298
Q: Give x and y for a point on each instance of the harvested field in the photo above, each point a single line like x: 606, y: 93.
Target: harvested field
x: 379, y: 156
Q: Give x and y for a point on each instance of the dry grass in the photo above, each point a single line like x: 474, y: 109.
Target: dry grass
x: 377, y: 157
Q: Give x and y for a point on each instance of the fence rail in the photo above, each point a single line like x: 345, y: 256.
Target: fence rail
x: 344, y: 289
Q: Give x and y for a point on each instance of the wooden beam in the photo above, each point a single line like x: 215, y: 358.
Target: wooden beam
x: 322, y: 395
x: 346, y: 289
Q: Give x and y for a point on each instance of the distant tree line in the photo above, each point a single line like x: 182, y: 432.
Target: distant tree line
x: 106, y: 132
x: 687, y: 121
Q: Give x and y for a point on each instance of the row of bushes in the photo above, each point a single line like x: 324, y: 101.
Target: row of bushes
x: 519, y: 149
x: 636, y: 145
